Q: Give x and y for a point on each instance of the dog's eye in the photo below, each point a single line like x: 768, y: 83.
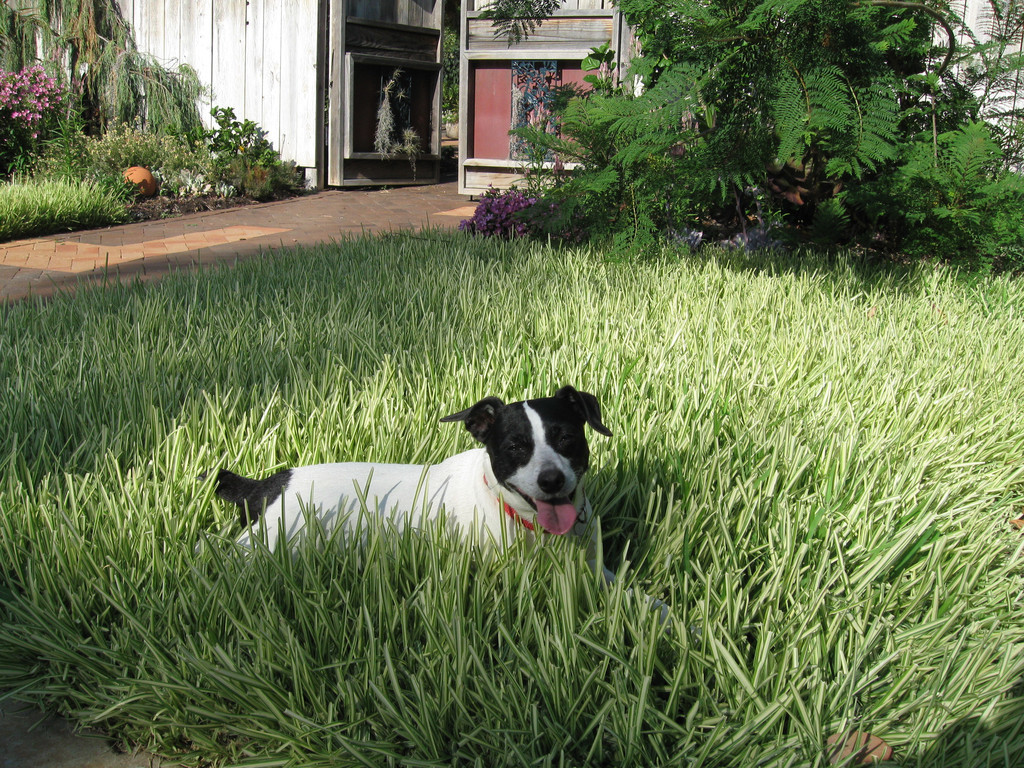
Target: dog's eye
x: 566, y: 443
x: 515, y: 448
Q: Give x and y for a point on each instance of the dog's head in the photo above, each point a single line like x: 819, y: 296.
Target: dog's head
x: 538, y: 449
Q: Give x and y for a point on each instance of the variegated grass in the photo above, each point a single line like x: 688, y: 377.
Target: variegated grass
x: 813, y: 463
x: 29, y: 207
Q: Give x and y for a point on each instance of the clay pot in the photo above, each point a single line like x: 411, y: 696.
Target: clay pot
x: 144, y: 181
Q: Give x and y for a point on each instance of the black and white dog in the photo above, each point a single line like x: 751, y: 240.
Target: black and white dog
x: 526, y: 480
x: 528, y: 475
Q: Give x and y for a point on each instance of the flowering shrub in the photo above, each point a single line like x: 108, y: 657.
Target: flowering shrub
x: 29, y: 104
x: 500, y: 213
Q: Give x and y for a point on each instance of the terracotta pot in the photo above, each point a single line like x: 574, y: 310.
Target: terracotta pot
x: 144, y: 182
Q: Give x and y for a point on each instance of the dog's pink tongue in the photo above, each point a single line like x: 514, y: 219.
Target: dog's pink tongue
x: 555, y: 518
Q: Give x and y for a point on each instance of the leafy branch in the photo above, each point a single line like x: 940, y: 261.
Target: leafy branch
x: 516, y: 19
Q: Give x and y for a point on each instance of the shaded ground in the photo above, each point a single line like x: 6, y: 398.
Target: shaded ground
x: 30, y: 739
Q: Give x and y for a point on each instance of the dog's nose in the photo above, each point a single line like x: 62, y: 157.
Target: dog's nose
x: 551, y: 480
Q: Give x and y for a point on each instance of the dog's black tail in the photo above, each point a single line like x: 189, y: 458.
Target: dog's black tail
x: 251, y: 496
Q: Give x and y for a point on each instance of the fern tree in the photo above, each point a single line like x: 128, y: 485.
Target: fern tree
x: 770, y: 108
x: 88, y: 42
x: 797, y: 98
x: 516, y: 19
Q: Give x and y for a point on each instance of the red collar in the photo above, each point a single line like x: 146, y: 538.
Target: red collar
x: 515, y: 516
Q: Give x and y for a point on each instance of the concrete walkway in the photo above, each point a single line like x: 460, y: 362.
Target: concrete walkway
x: 147, y: 250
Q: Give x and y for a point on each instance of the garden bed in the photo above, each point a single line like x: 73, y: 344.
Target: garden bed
x: 157, y: 207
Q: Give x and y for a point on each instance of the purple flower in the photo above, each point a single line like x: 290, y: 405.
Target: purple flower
x: 498, y: 213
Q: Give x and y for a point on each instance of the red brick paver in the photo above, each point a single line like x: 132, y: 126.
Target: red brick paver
x: 147, y: 250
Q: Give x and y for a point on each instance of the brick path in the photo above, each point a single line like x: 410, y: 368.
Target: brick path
x: 147, y: 250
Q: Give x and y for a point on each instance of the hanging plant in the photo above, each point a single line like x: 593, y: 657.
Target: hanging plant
x: 394, y: 134
x: 382, y: 141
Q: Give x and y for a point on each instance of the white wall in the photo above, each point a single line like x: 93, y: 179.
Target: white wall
x: 257, y: 57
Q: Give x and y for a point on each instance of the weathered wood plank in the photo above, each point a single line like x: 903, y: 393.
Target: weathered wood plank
x: 229, y: 71
x: 152, y: 28
x: 559, y: 32
x: 474, y: 6
x: 368, y: 38
x: 196, y: 46
x: 171, y: 31
x: 258, y: 60
x: 337, y: 107
x: 420, y: 13
x: 298, y: 60
x: 269, y: 71
x: 398, y: 171
x: 479, y: 180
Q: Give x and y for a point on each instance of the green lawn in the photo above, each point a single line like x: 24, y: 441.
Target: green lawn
x: 813, y: 464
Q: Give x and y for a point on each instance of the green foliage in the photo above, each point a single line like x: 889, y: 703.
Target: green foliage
x: 792, y: 112
x: 952, y: 200
x: 729, y: 102
x: 244, y: 159
x: 31, y: 208
x: 180, y: 166
x: 802, y: 85
x: 515, y: 19
x: 64, y: 154
x: 113, y: 80
x: 262, y: 182
x: 630, y: 181
x: 450, y: 73
x: 231, y: 139
x: 232, y: 158
x: 601, y: 65
x: 126, y: 146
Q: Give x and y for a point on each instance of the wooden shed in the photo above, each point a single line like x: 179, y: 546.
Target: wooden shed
x: 314, y: 74
x: 502, y: 87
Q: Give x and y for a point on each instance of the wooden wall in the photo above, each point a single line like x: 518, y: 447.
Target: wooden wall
x: 414, y: 13
x: 368, y: 40
x: 485, y: 94
x: 288, y: 66
x: 567, y: 5
x: 260, y: 58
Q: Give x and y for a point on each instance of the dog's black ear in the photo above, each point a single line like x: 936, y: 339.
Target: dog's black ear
x: 480, y: 418
x: 587, y: 407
